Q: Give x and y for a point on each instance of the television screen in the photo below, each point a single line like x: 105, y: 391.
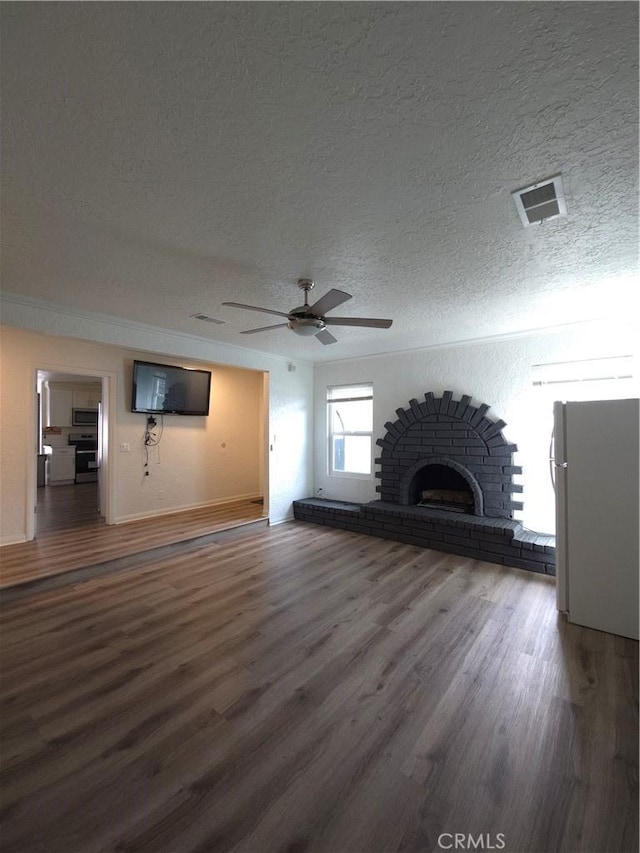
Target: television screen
x: 169, y: 390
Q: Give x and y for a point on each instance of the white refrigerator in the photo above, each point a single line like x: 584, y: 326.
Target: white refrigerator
x: 597, y: 462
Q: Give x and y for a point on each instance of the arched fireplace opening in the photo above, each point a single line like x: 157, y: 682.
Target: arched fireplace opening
x: 443, y: 484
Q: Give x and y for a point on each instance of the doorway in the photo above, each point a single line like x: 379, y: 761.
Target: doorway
x: 70, y: 488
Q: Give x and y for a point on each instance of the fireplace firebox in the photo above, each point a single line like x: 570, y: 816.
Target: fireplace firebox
x: 438, y: 485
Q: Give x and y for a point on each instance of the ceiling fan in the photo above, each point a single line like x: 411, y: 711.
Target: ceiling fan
x: 307, y: 320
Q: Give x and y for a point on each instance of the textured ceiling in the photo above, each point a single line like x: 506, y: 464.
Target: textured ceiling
x: 161, y: 158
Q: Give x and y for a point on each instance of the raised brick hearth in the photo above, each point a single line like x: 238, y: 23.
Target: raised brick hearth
x: 443, y: 443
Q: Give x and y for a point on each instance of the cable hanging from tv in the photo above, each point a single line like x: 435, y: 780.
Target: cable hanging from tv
x: 151, y: 438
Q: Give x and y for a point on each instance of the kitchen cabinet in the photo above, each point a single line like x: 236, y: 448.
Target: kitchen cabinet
x: 86, y: 398
x: 60, y: 405
x: 64, y: 397
x: 62, y: 466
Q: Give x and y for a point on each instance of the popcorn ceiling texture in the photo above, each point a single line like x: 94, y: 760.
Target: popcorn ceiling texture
x: 163, y: 158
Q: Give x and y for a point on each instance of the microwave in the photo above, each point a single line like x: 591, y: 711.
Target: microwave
x: 84, y: 417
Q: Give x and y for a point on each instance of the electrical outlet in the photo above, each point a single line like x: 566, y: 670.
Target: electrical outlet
x: 125, y: 447
x: 161, y: 495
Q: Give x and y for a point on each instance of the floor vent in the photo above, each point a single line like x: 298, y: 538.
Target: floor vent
x: 540, y: 202
x: 207, y: 319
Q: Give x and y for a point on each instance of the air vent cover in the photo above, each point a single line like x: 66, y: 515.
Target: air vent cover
x: 207, y: 319
x: 541, y: 201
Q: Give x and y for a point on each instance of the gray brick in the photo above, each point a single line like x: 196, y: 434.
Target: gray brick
x: 462, y: 405
x: 524, y: 564
x: 535, y: 556
x: 495, y: 500
x: 403, y: 417
x: 495, y: 440
x: 469, y: 413
x: 415, y: 407
x: 494, y: 478
x: 502, y: 450
x: 479, y: 414
x: 393, y: 429
x: 429, y: 401
x: 494, y: 548
x: 482, y: 468
x: 495, y: 429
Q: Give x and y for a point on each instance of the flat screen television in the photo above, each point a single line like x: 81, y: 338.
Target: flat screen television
x: 169, y: 390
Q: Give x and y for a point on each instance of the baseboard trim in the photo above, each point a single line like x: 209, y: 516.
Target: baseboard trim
x: 283, y: 520
x: 13, y: 540
x: 156, y: 513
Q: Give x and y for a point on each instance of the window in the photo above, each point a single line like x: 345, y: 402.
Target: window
x: 610, y: 378
x: 350, y: 417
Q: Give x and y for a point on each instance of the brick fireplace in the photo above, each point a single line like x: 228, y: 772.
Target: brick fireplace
x: 445, y: 443
x: 446, y: 476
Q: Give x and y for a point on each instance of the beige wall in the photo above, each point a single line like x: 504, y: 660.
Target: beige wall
x: 199, y: 460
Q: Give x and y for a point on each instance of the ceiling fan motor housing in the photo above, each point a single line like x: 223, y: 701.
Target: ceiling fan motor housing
x: 305, y: 325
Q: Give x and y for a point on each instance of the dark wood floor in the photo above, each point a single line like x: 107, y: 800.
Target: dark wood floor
x: 307, y: 689
x: 66, y: 507
x: 71, y: 535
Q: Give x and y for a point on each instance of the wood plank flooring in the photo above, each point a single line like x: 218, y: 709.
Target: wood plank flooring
x: 309, y: 690
x: 71, y: 535
x: 66, y: 507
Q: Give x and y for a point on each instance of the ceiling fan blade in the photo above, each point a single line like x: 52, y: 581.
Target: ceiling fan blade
x: 255, y: 308
x: 328, y: 302
x: 326, y: 337
x: 358, y: 321
x: 264, y: 328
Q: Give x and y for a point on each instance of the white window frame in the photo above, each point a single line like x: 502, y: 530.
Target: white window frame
x: 331, y: 471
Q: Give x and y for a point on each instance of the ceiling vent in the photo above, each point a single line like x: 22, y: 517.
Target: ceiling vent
x: 207, y: 319
x: 540, y: 202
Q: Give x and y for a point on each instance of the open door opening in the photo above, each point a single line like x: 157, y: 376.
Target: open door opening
x: 70, y: 487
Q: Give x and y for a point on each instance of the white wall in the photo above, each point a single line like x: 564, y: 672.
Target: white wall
x: 194, y: 468
x: 497, y: 373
